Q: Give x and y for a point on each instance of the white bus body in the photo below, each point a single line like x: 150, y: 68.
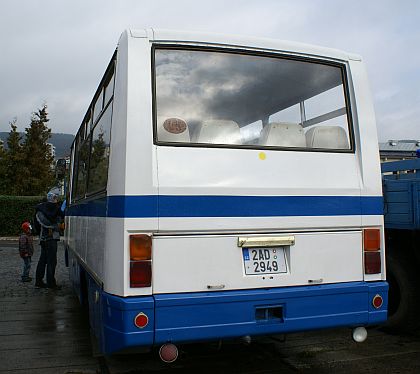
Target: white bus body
x: 225, y: 187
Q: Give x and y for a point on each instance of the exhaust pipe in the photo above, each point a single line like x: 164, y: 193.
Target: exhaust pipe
x: 359, y: 334
x: 168, y: 352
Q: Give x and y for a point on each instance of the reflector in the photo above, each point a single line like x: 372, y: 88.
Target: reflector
x: 141, y: 320
x: 377, y: 301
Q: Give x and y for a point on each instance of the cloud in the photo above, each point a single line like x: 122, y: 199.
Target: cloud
x: 57, y: 51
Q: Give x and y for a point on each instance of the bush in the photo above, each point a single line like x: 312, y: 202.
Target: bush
x: 14, y: 210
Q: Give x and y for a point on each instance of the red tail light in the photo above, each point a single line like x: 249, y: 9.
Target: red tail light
x: 140, y: 274
x: 372, y: 251
x: 140, y: 261
x: 372, y: 262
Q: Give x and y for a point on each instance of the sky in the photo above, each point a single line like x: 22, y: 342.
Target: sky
x: 56, y: 51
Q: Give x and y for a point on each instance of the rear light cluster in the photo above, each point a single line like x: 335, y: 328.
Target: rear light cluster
x: 140, y: 261
x: 372, y: 250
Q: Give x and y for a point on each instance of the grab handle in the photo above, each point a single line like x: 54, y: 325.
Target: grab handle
x: 266, y: 241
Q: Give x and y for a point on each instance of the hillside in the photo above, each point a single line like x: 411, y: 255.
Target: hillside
x: 62, y: 142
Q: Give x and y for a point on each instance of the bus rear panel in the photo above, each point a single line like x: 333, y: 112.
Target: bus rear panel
x: 224, y: 188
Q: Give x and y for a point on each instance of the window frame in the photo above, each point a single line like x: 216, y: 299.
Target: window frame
x: 86, y: 128
x: 85, y: 142
x: 88, y: 193
x: 281, y: 55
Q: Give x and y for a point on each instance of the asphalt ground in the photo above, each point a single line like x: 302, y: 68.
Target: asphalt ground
x: 46, y: 331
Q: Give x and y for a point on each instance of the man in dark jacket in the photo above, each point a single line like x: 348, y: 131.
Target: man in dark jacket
x: 49, y: 216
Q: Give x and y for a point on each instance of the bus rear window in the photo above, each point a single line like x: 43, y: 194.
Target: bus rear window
x: 218, y: 98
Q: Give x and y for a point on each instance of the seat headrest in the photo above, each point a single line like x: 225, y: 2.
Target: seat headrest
x: 283, y: 134
x: 218, y: 131
x: 330, y: 137
x: 172, y: 130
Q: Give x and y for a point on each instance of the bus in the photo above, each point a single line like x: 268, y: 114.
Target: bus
x: 226, y: 187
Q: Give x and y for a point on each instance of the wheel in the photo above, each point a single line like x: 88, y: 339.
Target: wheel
x: 402, y: 296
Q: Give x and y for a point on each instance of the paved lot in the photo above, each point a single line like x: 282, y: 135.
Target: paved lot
x: 41, y: 331
x: 45, y: 331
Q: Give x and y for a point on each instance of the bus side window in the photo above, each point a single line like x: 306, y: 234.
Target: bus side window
x: 109, y: 90
x: 82, y: 169
x: 99, y: 153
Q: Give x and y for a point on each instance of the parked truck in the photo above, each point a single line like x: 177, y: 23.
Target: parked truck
x: 401, y: 190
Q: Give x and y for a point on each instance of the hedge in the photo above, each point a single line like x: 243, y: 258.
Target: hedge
x: 14, y: 210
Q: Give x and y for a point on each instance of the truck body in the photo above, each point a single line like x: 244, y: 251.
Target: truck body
x: 401, y: 189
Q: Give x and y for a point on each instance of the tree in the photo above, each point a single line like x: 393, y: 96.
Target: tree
x: 38, y: 160
x: 13, y: 164
x: 2, y: 168
x: 27, y: 168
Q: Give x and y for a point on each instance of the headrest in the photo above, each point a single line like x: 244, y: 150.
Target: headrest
x: 172, y: 130
x: 283, y: 134
x: 330, y: 137
x: 219, y: 131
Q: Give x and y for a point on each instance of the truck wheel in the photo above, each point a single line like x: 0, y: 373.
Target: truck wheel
x: 402, y: 296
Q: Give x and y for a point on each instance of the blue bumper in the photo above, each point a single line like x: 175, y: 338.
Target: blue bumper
x: 189, y: 317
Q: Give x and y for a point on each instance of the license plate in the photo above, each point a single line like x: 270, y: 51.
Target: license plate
x: 259, y: 261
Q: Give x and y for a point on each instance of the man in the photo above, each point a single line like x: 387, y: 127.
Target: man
x: 49, y: 216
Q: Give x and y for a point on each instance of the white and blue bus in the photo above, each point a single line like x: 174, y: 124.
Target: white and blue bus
x: 226, y: 187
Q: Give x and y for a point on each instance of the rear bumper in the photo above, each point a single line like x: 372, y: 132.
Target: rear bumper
x: 189, y: 317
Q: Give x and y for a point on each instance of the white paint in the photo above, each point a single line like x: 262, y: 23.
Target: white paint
x: 191, y: 253
x: 191, y: 263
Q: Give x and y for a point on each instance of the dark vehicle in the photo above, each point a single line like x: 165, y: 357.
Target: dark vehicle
x: 401, y: 189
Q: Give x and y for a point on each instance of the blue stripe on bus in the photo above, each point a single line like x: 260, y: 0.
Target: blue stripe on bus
x: 153, y: 206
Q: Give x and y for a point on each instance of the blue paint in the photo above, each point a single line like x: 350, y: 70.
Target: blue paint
x: 89, y: 208
x: 118, y: 316
x: 402, y: 165
x: 153, y: 206
x: 402, y: 195
x: 133, y: 206
x: 189, y: 317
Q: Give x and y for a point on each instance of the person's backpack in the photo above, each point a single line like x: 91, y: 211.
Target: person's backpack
x: 36, y: 227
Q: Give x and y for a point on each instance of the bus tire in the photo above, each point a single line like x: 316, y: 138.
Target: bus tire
x: 402, y: 296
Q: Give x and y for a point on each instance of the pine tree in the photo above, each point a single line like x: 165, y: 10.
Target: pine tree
x: 2, y: 168
x: 13, y: 167
x: 38, y: 159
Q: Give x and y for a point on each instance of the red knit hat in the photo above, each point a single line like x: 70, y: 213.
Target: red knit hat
x: 26, y: 226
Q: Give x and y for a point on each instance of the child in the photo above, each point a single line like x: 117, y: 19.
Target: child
x: 26, y: 250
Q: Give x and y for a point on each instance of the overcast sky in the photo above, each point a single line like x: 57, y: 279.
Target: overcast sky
x: 55, y: 51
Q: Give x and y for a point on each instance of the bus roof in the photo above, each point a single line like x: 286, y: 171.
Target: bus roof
x: 238, y: 41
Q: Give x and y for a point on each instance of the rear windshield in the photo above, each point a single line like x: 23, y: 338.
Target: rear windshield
x: 219, y: 98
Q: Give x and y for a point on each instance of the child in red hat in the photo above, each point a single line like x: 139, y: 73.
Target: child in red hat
x: 26, y: 250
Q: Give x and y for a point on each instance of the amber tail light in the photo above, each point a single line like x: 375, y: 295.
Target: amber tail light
x: 372, y: 251
x: 140, y: 261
